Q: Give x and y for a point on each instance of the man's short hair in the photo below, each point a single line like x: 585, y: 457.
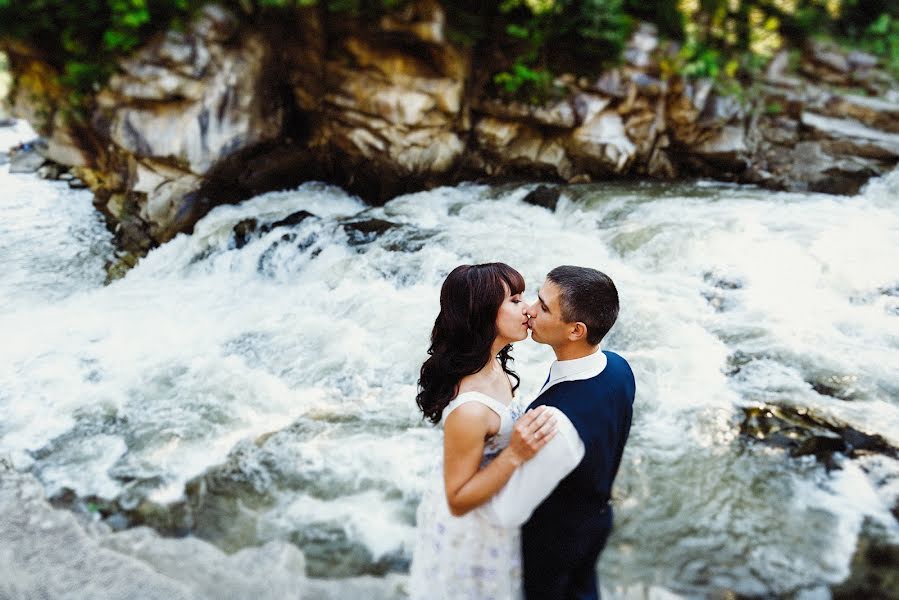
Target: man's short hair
x: 588, y: 296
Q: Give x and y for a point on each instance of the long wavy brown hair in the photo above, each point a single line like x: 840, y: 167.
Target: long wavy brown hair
x: 464, y: 332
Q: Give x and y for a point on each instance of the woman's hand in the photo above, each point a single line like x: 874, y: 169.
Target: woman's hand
x: 532, y: 431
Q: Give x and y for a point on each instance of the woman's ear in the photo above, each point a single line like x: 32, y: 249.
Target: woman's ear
x: 577, y: 332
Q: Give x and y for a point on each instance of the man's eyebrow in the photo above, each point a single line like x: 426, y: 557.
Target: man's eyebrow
x: 543, y: 302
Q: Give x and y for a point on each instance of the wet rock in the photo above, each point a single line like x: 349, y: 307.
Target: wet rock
x: 123, y: 263
x: 807, y: 167
x: 292, y: 219
x: 722, y: 282
x: 7, y: 122
x: 874, y: 570
x: 77, y: 184
x: 545, y: 196
x: 844, y: 387
x: 717, y: 292
x: 366, y: 231
x: 27, y: 157
x: 52, y: 553
x: 50, y: 171
x: 803, y: 432
x: 245, y: 229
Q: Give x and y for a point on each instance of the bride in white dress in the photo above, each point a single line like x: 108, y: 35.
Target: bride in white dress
x: 465, y: 386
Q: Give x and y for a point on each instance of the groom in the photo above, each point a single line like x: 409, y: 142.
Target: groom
x: 561, y: 496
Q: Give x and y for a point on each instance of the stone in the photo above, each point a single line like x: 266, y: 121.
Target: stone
x: 602, y: 141
x: 727, y: 147
x: 719, y: 110
x: 861, y: 60
x: 856, y: 135
x: 587, y: 106
x: 874, y: 112
x: 26, y: 158
x: 779, y: 130
x: 648, y: 85
x: 423, y: 20
x: 806, y: 167
x: 611, y: 83
x: 827, y: 56
x: 777, y: 66
x: 545, y: 196
x: 197, y: 122
x: 365, y: 231
x: 559, y: 114
x: 639, y: 49
x: 215, y: 24
x: 49, y: 171
x: 165, y: 188
x: 495, y: 134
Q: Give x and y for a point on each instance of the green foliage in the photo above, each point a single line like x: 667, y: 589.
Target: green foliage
x: 882, y: 38
x: 547, y: 36
x: 528, y: 41
x: 521, y: 81
x: 774, y: 108
x: 83, y: 39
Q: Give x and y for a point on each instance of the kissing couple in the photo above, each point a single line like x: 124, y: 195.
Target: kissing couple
x: 522, y: 507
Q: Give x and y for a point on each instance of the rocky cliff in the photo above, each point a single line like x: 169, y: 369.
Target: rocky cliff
x: 224, y: 110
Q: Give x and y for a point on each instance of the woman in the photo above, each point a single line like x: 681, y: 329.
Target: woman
x: 465, y: 385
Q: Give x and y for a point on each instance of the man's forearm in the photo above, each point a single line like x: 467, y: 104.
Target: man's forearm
x: 531, y: 483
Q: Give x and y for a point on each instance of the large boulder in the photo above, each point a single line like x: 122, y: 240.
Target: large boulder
x: 390, y: 113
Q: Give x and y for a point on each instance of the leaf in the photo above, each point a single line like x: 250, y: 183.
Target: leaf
x: 517, y: 31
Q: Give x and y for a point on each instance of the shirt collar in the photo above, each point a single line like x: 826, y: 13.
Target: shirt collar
x: 578, y: 368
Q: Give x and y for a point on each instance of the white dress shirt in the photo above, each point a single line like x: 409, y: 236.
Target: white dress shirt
x: 533, y: 481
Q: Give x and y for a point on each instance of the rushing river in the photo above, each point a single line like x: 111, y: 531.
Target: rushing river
x: 265, y: 383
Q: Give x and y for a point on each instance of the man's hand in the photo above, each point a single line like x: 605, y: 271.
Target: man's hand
x: 531, y: 432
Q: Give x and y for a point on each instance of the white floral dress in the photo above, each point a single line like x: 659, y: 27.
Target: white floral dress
x: 467, y: 557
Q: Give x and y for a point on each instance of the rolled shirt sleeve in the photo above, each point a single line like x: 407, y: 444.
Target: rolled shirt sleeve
x: 533, y: 481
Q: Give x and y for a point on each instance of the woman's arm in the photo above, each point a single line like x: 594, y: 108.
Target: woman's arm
x: 467, y: 486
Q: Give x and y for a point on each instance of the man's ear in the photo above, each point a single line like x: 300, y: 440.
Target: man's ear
x: 577, y: 332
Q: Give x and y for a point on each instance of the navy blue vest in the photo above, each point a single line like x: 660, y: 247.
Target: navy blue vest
x: 563, y: 538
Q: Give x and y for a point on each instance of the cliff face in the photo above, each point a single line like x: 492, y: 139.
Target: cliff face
x: 223, y: 111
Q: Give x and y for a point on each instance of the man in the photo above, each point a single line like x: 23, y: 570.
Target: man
x: 561, y: 495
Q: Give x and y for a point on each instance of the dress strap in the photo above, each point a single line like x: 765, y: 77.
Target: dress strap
x: 492, y: 403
